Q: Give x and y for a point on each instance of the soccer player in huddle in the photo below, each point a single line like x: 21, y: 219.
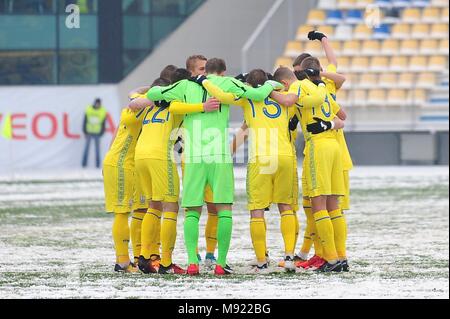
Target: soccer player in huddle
x: 323, y: 159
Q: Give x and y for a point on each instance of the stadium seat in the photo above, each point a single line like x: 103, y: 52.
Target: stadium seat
x: 426, y: 80
x: 379, y: 64
x: 382, y: 32
x: 406, y: 80
x: 334, y: 17
x: 409, y: 47
x: 344, y: 64
x: 327, y: 4
x: 444, y: 15
x: 343, y: 32
x: 354, y: 17
x: 316, y: 17
x: 411, y: 15
x: 390, y: 47
x: 439, y: 31
x: 417, y: 97
x: 362, y: 32
x: 360, y: 64
x: 401, y: 31
x: 376, y: 97
x: 391, y: 15
x: 420, y: 31
x: 397, y: 97
x: 351, y: 47
x: 326, y: 29
x: 342, y: 97
x: 352, y: 79
x: 429, y: 47
x: 314, y: 48
x: 337, y: 46
x: 370, y: 47
x: 430, y: 15
x: 293, y: 49
x: 399, y: 63
x: 358, y: 98
x: 418, y: 63
x: 287, y: 62
x: 368, y: 81
x: 388, y: 80
x: 302, y: 32
x: 438, y: 63
x: 444, y: 46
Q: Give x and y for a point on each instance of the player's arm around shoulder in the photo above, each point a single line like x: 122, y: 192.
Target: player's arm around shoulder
x: 179, y: 108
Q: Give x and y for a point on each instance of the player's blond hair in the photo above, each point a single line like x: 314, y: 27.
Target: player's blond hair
x: 190, y: 62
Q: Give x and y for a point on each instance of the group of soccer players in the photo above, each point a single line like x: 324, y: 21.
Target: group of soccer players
x: 190, y: 107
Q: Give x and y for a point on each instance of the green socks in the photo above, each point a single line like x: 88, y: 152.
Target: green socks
x: 224, y: 229
x: 191, y: 235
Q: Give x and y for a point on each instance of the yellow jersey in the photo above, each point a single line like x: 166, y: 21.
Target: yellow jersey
x: 122, y: 150
x: 160, y: 129
x: 268, y: 124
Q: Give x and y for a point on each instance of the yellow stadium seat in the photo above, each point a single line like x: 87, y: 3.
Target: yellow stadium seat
x: 409, y: 47
x: 401, y: 31
x: 418, y: 63
x: 351, y: 47
x: 418, y: 97
x: 438, y: 63
x: 316, y: 17
x: 352, y: 80
x: 362, y: 32
x: 379, y: 64
x: 397, y: 97
x: 390, y: 47
x: 399, y: 63
x: 293, y: 49
x: 343, y: 64
x: 443, y: 46
x: 283, y: 61
x: 328, y: 30
x: 439, y: 31
x: 368, y: 81
x: 314, y: 48
x: 302, y: 32
x: 337, y: 46
x: 444, y: 15
x: 429, y: 47
x: 388, y: 80
x: 420, y: 31
x: 360, y: 64
x: 431, y: 15
x: 406, y: 80
x: 358, y: 98
x: 426, y: 80
x: 411, y: 15
x: 376, y: 97
x: 342, y: 97
x: 370, y: 47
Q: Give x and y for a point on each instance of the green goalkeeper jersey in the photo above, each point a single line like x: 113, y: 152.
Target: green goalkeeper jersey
x: 206, y: 135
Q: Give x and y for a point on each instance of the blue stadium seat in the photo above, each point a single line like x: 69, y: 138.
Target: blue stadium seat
x: 334, y: 17
x: 354, y: 17
x: 382, y: 32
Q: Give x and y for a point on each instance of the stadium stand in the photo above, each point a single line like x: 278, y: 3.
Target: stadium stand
x: 404, y: 60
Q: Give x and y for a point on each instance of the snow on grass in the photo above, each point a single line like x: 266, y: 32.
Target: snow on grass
x: 55, y: 242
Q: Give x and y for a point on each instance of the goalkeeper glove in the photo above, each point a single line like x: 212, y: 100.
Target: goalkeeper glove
x: 320, y: 126
x: 312, y: 72
x: 242, y: 77
x: 316, y: 35
x: 199, y: 79
x: 276, y: 85
x: 163, y: 104
x: 293, y: 123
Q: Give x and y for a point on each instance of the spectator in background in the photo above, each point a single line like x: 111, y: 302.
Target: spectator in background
x: 93, y: 129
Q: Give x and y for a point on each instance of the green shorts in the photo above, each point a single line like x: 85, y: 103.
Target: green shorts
x: 219, y: 176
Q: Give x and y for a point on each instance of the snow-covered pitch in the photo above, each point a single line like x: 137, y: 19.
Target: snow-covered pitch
x: 55, y: 242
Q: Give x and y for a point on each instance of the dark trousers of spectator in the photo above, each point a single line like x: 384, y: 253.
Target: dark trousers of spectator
x: 96, y: 139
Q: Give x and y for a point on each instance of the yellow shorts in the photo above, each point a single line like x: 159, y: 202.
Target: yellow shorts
x: 344, y: 201
x: 158, y: 180
x: 140, y: 201
x: 119, y: 189
x: 265, y: 186
x: 304, y: 184
x: 323, y: 168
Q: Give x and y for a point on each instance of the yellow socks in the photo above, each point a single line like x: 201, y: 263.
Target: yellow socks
x: 121, y: 237
x: 310, y: 229
x: 297, y: 227
x: 288, y: 231
x: 340, y: 231
x: 168, y: 237
x: 325, y: 231
x: 211, y: 233
x: 135, y: 229
x: 150, y: 235
x: 258, y: 234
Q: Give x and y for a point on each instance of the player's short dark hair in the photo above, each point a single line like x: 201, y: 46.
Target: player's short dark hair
x: 311, y: 63
x: 257, y: 78
x: 180, y: 74
x: 283, y: 73
x: 216, y: 65
x: 298, y: 61
x: 190, y: 62
x: 167, y: 72
x: 160, y: 82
